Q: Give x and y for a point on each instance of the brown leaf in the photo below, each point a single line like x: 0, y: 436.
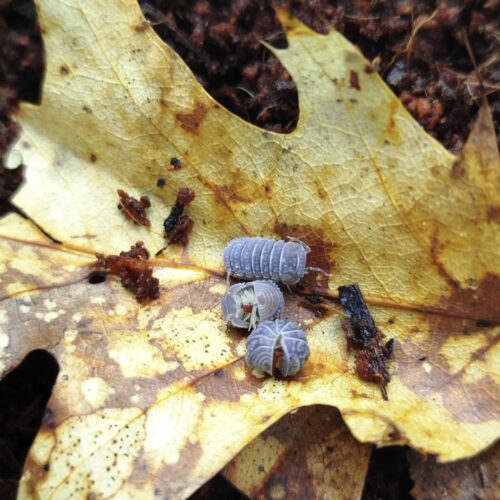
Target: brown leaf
x: 159, y: 394
x: 476, y: 477
x: 308, y: 454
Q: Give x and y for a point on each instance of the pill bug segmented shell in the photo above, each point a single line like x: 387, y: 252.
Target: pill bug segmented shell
x: 262, y: 258
x: 244, y: 305
x: 268, y: 339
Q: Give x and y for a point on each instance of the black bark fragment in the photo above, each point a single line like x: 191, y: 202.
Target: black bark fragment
x: 364, y: 337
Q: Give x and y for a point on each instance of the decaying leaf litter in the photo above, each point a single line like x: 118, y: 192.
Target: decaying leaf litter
x: 420, y: 246
x: 307, y: 454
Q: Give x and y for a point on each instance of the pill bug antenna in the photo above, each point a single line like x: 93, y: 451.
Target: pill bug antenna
x: 307, y: 248
x: 317, y: 270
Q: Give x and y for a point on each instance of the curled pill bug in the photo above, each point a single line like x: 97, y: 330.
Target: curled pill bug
x: 262, y: 258
x: 244, y: 305
x: 277, y: 347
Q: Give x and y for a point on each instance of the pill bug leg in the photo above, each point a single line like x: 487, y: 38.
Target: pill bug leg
x: 250, y: 306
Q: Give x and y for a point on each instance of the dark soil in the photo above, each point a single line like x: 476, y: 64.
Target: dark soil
x: 439, y: 57
x: 21, y: 73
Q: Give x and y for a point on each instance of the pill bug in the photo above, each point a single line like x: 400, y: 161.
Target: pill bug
x: 262, y: 258
x: 277, y: 347
x: 244, y: 305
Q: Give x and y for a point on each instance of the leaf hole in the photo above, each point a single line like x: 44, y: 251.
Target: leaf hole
x: 96, y: 277
x: 24, y: 393
x: 388, y: 474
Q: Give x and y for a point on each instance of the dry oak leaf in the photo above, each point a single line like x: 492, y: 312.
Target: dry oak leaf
x: 476, y: 477
x: 306, y: 454
x: 153, y: 400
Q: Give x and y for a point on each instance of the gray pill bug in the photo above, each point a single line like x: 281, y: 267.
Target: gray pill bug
x: 277, y: 347
x: 262, y: 258
x: 244, y: 305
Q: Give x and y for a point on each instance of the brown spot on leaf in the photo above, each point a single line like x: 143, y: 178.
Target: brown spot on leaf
x: 480, y: 303
x: 493, y: 214
x: 322, y: 193
x: 357, y: 394
x: 243, y: 188
x: 192, y: 121
x: 391, y: 134
x: 141, y: 26
x: 457, y: 170
x: 468, y: 401
x: 64, y: 70
x: 354, y: 80
x: 321, y: 248
x: 236, y: 192
x: 464, y: 311
x: 229, y: 388
x: 86, y: 109
x: 93, y: 158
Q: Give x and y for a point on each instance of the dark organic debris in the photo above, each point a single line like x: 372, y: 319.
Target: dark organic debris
x: 315, y: 303
x: 160, y: 182
x: 134, y: 209
x: 364, y: 337
x: 178, y: 225
x: 134, y: 270
x: 175, y: 162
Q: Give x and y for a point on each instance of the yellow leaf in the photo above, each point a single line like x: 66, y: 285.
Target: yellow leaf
x: 381, y: 203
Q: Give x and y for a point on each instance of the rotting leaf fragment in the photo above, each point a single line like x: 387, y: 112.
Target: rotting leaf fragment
x: 134, y: 270
x: 177, y: 225
x: 364, y: 336
x: 134, y: 209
